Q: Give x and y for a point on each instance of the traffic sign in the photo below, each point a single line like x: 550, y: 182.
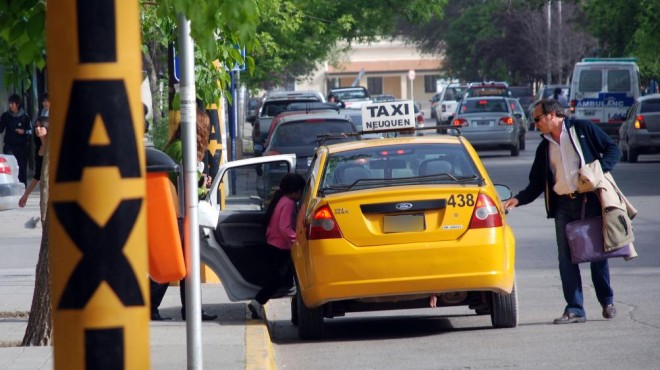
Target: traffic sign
x: 411, y: 74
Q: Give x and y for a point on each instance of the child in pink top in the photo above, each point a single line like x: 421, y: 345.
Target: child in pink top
x: 280, y: 235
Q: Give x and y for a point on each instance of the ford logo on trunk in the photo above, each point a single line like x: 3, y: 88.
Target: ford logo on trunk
x: 403, y: 206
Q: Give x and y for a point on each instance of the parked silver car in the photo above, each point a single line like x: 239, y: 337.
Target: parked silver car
x: 640, y: 132
x: 489, y: 122
x: 10, y: 188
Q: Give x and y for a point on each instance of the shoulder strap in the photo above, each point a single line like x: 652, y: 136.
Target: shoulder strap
x: 576, y: 144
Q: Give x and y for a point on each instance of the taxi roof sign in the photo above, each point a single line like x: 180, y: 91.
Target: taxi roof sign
x: 388, y: 116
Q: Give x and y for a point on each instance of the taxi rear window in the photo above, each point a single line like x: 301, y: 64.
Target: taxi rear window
x: 398, y: 165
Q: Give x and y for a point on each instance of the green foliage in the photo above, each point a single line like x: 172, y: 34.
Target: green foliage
x: 22, y: 39
x: 627, y: 28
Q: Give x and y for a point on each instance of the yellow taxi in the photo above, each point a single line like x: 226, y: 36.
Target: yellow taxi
x: 403, y: 222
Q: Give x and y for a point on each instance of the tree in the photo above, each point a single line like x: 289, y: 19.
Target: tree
x: 627, y: 28
x: 504, y: 40
x: 296, y: 35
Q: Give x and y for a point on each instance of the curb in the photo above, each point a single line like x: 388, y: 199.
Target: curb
x: 258, y: 347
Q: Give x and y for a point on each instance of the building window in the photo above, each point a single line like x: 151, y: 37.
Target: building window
x: 430, y: 83
x: 332, y: 82
x: 375, y: 85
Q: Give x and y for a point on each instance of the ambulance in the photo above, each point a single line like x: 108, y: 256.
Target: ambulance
x: 602, y: 91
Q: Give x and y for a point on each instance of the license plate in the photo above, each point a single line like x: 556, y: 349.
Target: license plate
x: 404, y: 223
x: 589, y: 112
x: 484, y: 123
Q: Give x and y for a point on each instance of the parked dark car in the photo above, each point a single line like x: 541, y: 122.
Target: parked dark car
x: 640, y: 132
x: 299, y: 135
x: 274, y: 104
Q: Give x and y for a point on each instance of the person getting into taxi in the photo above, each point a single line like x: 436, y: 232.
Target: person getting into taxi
x: 555, y: 171
x: 280, y: 235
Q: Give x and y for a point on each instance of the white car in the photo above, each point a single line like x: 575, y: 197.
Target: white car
x: 10, y: 188
x: 446, y: 105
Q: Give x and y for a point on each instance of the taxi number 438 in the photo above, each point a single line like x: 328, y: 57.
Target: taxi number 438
x: 461, y: 200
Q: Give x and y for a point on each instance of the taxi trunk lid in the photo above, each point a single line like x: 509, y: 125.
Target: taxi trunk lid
x: 425, y: 214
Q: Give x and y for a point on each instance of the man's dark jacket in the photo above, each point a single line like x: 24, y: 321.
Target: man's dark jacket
x: 9, y: 122
x: 596, y: 145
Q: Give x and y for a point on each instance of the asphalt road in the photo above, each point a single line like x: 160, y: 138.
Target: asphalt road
x: 457, y: 339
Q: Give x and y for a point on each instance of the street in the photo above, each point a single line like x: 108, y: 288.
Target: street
x: 455, y: 338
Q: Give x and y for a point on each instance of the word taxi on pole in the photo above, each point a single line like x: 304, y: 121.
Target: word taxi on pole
x: 388, y: 116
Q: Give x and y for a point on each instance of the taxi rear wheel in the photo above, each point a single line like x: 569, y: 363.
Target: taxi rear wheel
x: 294, y: 310
x: 504, y: 312
x: 310, y: 320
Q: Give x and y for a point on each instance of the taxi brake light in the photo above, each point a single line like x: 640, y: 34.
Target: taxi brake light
x: 4, y: 166
x: 323, y: 225
x: 485, y: 214
x: 483, y: 102
x: 459, y: 122
x: 640, y: 123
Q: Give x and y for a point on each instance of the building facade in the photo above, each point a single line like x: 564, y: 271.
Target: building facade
x: 383, y: 67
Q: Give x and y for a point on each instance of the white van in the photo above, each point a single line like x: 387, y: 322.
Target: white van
x: 602, y: 91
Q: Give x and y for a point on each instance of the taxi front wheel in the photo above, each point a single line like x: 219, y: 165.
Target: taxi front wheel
x: 310, y: 320
x: 504, y: 310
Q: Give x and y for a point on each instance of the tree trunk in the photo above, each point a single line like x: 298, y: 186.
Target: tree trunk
x: 40, y: 325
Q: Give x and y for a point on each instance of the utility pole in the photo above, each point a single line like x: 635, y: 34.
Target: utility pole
x: 547, y: 44
x: 191, y: 223
x: 560, y: 54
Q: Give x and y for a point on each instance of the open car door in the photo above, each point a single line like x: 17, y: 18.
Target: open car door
x: 236, y: 250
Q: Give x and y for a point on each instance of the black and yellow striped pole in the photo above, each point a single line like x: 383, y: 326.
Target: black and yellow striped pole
x: 97, y: 186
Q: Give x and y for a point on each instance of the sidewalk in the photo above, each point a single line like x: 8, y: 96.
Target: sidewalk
x: 233, y: 341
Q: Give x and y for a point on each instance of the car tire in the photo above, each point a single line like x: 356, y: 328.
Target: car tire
x: 504, y: 309
x: 632, y: 155
x: 522, y: 142
x: 624, y: 152
x: 294, y: 310
x: 515, y: 149
x: 310, y: 320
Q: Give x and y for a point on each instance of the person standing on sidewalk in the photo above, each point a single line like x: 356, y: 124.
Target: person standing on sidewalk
x: 40, y: 130
x: 174, y: 149
x: 17, y: 126
x: 555, y: 173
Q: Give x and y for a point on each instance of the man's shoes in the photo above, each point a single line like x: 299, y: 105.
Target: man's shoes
x: 609, y: 311
x: 155, y: 316
x: 205, y: 316
x: 256, y: 308
x: 570, y: 318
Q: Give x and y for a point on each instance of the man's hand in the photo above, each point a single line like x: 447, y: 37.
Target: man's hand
x: 20, y: 131
x: 510, y: 203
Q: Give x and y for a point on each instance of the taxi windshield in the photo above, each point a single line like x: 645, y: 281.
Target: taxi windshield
x: 398, y: 165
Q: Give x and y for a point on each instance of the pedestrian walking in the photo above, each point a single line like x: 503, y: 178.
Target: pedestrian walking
x: 17, y: 126
x: 555, y: 173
